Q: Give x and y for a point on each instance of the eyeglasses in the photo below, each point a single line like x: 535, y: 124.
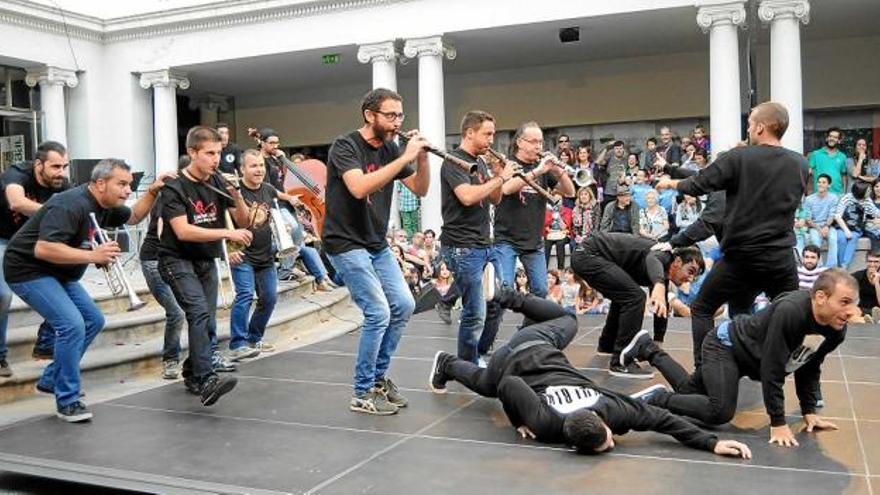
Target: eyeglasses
x: 391, y: 115
x: 534, y: 141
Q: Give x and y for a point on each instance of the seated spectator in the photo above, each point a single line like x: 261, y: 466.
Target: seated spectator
x: 432, y: 248
x: 809, y: 269
x: 521, y: 282
x: 820, y: 208
x: 632, y: 166
x: 557, y: 225
x: 566, y: 156
x: 801, y: 232
x: 653, y: 220
x: 850, y: 218
x: 687, y: 159
x: 585, y: 216
x: 417, y: 255
x: 444, y: 279
x: 700, y: 138
x: 571, y: 287
x: 872, y: 220
x: 554, y: 287
x: 649, y: 154
x: 397, y: 250
x: 590, y: 302
x: 667, y: 198
x: 621, y: 215
x: 401, y: 239
x: 869, y: 286
x: 687, y: 211
x: 639, y: 187
x: 861, y: 166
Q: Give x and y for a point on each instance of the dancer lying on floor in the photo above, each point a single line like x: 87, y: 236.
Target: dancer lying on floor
x: 547, y: 399
x: 791, y: 335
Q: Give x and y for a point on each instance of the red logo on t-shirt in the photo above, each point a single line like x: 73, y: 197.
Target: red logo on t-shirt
x: 203, y: 213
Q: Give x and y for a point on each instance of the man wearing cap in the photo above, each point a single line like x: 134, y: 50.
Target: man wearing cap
x: 615, y: 168
x: 622, y: 214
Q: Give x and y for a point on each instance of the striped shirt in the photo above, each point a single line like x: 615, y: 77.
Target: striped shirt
x: 806, y: 278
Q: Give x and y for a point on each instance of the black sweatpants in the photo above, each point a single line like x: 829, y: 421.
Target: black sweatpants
x: 708, y: 395
x: 560, y: 252
x: 737, y: 283
x: 554, y: 325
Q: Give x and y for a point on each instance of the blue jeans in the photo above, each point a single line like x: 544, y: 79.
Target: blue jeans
x: 174, y: 316
x: 467, y: 266
x: 816, y: 239
x: 846, y: 248
x: 45, y: 335
x: 376, y: 284
x: 312, y: 259
x: 246, y: 277
x: 76, y: 319
x: 534, y: 264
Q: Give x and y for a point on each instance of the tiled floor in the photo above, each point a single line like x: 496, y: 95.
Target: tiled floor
x: 287, y: 429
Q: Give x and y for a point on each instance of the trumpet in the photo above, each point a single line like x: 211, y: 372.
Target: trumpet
x: 497, y: 157
x: 113, y: 271
x: 471, y: 168
x: 581, y: 177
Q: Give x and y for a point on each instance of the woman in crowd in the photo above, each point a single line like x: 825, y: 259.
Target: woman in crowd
x: 554, y: 286
x: 585, y: 216
x: 653, y: 220
x: 522, y: 282
x: 557, y: 225
x: 571, y: 287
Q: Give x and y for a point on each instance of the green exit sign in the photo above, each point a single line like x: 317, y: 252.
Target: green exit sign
x: 330, y: 59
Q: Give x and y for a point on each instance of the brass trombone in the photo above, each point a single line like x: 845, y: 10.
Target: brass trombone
x: 580, y: 177
x: 113, y: 271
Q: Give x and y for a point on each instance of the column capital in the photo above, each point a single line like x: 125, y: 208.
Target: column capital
x: 164, y: 79
x: 51, y: 76
x: 712, y: 14
x: 771, y: 10
x: 209, y: 102
x: 377, y: 52
x: 432, y: 46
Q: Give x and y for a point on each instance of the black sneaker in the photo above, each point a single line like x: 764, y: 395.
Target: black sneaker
x: 214, y: 387
x: 649, y: 394
x: 51, y: 391
x: 636, y: 349
x: 74, y: 413
x: 192, y: 385
x: 41, y: 354
x: 437, y: 378
x: 632, y: 370
x: 5, y: 370
x: 444, y: 312
x: 600, y: 349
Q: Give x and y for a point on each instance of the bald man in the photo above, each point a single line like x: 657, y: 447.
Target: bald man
x: 764, y: 185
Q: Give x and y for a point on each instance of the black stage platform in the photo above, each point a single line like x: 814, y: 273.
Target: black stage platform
x: 287, y: 429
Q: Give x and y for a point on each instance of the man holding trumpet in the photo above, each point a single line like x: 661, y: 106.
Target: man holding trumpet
x: 194, y: 206
x: 253, y: 269
x: 49, y: 254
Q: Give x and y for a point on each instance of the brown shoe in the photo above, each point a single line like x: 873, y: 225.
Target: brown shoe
x: 322, y: 286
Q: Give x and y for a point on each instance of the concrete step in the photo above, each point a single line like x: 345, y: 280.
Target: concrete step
x: 141, y: 352
x: 122, y: 327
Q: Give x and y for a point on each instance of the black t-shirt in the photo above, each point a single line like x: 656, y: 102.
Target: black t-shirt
x: 150, y: 246
x: 632, y: 254
x: 275, y: 172
x: 202, y: 207
x: 260, y: 253
x: 63, y: 218
x: 463, y: 226
x: 519, y: 217
x: 353, y: 223
x: 230, y: 158
x: 23, y: 175
x: 867, y: 292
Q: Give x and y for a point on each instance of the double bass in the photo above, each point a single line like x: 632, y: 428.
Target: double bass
x: 310, y: 193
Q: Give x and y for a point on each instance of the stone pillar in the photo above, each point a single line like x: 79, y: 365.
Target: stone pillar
x: 164, y: 84
x: 432, y: 117
x: 383, y: 58
x: 52, y: 81
x: 786, y: 80
x: 721, y: 22
x: 208, y: 106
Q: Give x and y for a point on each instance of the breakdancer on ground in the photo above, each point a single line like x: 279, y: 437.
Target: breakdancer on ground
x: 547, y: 399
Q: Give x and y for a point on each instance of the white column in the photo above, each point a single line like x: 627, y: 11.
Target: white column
x: 52, y: 81
x: 383, y: 57
x: 721, y: 22
x: 164, y: 84
x: 432, y: 117
x: 786, y: 82
x: 208, y: 106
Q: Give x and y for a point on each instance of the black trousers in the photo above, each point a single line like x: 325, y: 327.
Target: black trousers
x: 738, y: 282
x: 194, y: 284
x: 553, y: 325
x: 627, y: 311
x: 560, y: 251
x: 708, y: 395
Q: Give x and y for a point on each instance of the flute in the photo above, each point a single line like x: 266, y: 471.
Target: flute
x: 471, y: 168
x: 534, y: 185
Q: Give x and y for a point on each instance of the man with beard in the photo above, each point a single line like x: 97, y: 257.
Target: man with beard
x: 809, y: 270
x: 24, y: 190
x: 361, y: 169
x: 791, y: 335
x: 764, y: 185
x: 831, y: 161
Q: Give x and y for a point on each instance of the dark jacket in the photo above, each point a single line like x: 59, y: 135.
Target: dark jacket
x: 608, y: 217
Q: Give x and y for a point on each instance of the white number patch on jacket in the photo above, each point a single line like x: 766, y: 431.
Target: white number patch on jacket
x: 566, y: 399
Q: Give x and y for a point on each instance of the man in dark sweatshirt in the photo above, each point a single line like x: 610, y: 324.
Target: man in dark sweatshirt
x: 547, y: 399
x: 764, y: 184
x: 791, y: 335
x: 618, y: 266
